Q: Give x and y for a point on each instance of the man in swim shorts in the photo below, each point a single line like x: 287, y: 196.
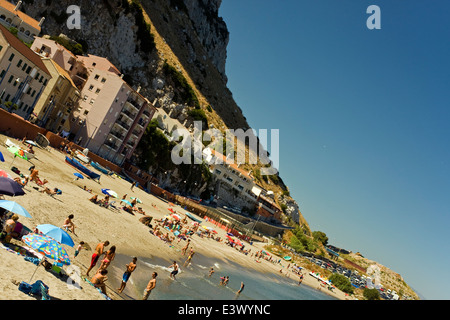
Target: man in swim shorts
x: 175, y: 270
x: 130, y: 268
x: 99, y: 250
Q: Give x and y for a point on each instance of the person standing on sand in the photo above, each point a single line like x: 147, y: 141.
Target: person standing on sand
x: 130, y: 268
x: 109, y: 257
x: 150, y: 286
x: 211, y: 271
x: 183, y: 251
x: 174, y: 271
x: 99, y: 250
x: 133, y: 185
x: 301, y: 279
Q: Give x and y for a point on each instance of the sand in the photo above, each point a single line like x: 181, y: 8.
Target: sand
x: 96, y: 224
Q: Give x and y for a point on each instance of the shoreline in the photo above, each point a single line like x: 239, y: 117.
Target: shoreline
x: 96, y: 224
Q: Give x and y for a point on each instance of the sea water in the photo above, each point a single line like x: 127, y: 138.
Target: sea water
x: 193, y: 282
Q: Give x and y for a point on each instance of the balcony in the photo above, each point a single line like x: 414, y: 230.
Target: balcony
x: 111, y: 145
x: 129, y: 115
x: 132, y: 105
x: 123, y: 125
x: 117, y: 135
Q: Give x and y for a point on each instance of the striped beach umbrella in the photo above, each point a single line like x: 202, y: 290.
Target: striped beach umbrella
x: 47, y: 246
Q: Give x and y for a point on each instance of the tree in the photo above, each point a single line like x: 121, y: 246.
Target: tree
x: 341, y: 282
x: 371, y: 294
x: 321, y: 237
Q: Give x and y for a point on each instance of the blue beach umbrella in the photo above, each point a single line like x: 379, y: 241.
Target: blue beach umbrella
x: 1, y: 157
x: 127, y: 202
x: 78, y: 175
x: 14, y: 207
x: 56, y: 233
x: 47, y: 246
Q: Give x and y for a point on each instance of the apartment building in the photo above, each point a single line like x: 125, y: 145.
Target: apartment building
x: 112, y: 116
x: 12, y: 17
x: 59, y: 99
x: 23, y: 75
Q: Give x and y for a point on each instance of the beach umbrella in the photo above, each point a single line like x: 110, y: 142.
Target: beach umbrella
x: 110, y: 193
x: 56, y: 233
x: 47, y: 246
x: 230, y: 234
x: 127, y: 202
x: 4, y: 174
x: 175, y: 216
x: 10, y: 187
x: 239, y: 243
x: 137, y: 199
x: 171, y: 210
x: 32, y: 143
x: 78, y: 175
x: 14, y: 207
x: 17, y: 152
x: 2, y: 159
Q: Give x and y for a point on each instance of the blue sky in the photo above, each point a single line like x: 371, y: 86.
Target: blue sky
x: 363, y: 118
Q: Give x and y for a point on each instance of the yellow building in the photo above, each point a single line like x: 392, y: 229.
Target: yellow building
x: 59, y: 98
x: 23, y: 75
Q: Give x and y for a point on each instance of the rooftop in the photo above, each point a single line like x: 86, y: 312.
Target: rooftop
x: 24, y: 17
x: 23, y: 49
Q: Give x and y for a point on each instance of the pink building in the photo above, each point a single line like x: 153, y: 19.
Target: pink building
x: 112, y: 116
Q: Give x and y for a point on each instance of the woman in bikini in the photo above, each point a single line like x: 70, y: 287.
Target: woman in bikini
x: 109, y: 257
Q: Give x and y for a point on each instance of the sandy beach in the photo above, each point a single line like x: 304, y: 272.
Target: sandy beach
x: 96, y: 224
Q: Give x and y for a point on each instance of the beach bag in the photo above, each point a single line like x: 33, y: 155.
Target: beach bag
x: 15, y: 170
x: 25, y: 287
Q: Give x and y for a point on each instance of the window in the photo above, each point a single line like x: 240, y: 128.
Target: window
x: 45, y: 82
x: 24, y: 67
x: 34, y: 92
x: 92, y: 101
x: 85, y: 98
x: 41, y: 79
x: 97, y: 91
x: 103, y: 80
x: 19, y: 63
x: 10, y: 79
x: 1, y: 47
x: 37, y: 76
x: 91, y: 87
x: 97, y: 76
x: 86, y: 112
x: 28, y: 70
x: 11, y: 57
x: 2, y: 74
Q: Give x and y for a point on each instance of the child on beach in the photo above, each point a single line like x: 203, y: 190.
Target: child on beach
x: 211, y: 271
x: 80, y: 246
